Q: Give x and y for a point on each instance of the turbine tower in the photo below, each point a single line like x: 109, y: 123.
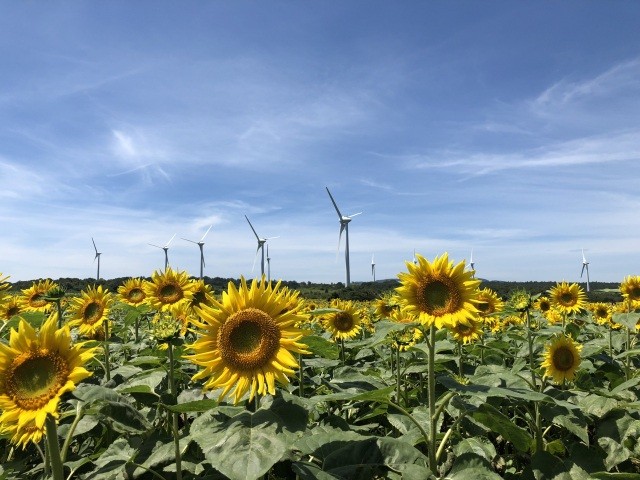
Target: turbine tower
x: 472, y: 265
x: 344, y: 226
x: 585, y: 266
x: 268, y: 265
x: 373, y: 268
x: 201, y: 245
x: 166, y: 251
x: 96, y: 257
x: 261, y: 242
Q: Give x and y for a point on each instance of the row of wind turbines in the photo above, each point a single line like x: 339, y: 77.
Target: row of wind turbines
x: 344, y: 227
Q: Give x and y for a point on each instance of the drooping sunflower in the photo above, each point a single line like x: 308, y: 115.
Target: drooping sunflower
x: 11, y: 306
x: 508, y: 320
x: 553, y: 316
x: 602, y: 312
x: 35, y: 370
x: 568, y: 298
x: 438, y: 292
x: 183, y: 315
x: 464, y: 333
x: 386, y: 305
x: 345, y: 324
x: 561, y: 359
x: 4, y: 285
x: 630, y: 289
x: 247, y: 340
x: 90, y: 310
x: 167, y: 288
x: 34, y: 296
x: 131, y: 292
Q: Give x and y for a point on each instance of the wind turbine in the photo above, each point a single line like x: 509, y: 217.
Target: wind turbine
x: 373, y: 268
x: 201, y: 245
x: 415, y: 260
x: 585, y: 266
x: 166, y: 250
x: 268, y: 265
x: 472, y: 265
x: 344, y: 226
x: 98, y: 257
x: 261, y: 242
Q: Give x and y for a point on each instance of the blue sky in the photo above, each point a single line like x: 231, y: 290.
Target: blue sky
x: 508, y: 128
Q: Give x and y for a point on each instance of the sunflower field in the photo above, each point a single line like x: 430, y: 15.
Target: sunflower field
x: 440, y: 378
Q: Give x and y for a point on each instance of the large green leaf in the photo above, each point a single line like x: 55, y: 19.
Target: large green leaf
x: 110, y: 465
x: 496, y: 421
x: 484, y: 392
x: 321, y: 347
x: 613, y: 434
x: 247, y: 445
x: 383, y: 328
x: 125, y: 417
x: 194, y: 406
x: 629, y: 320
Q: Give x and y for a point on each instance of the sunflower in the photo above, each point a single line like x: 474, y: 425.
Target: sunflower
x: 561, y: 359
x: 131, y: 292
x: 507, y: 321
x: 553, y: 316
x: 489, y: 303
x: 602, y: 312
x: 35, y: 370
x: 183, y: 315
x: 90, y: 310
x: 4, y: 285
x: 464, y: 333
x: 520, y: 300
x: 345, y: 324
x: 386, y: 306
x: 202, y: 294
x: 568, y: 298
x: 439, y: 292
x: 167, y: 288
x: 543, y: 304
x: 34, y: 296
x: 630, y: 289
x: 11, y: 306
x: 247, y: 340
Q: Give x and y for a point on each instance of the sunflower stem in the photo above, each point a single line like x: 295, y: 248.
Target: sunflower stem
x: 539, y: 433
x: 59, y: 307
x: 301, y: 375
x: 72, y: 428
x: 460, y: 360
x: 107, y: 367
x: 176, y: 437
x: 342, y: 356
x: 432, y: 399
x: 611, y: 342
x: 53, y: 447
x: 627, y: 367
x: 530, y: 342
x: 398, y: 379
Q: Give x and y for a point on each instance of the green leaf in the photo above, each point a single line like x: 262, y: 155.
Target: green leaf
x: 496, y: 421
x: 125, y: 417
x: 144, y: 382
x: 195, y: 406
x: 615, y: 476
x: 96, y: 393
x: 629, y: 320
x: 378, y: 395
x: 113, y: 460
x: 484, y: 392
x: 613, y: 433
x: 383, y: 328
x: 247, y: 445
x: 478, y: 446
x: 321, y: 347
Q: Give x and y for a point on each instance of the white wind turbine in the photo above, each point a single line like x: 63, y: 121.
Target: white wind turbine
x: 166, y: 251
x: 96, y: 257
x: 261, y: 242
x: 268, y: 265
x: 472, y: 265
x: 585, y: 266
x: 201, y: 245
x: 344, y: 226
x: 373, y: 268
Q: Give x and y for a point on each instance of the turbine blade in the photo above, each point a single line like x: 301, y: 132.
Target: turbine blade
x: 189, y: 240
x: 583, y: 267
x: 174, y: 236
x: 94, y: 245
x: 271, y: 238
x: 342, y: 227
x: 254, y: 259
x: 355, y: 214
x: 334, y: 203
x: 206, y: 233
x: 254, y: 230
x: 157, y: 246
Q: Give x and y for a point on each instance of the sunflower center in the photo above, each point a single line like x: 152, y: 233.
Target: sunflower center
x: 35, y: 377
x: 343, y: 321
x: 249, y: 339
x: 634, y: 293
x: 170, y: 293
x: 484, y: 307
x: 567, y: 299
x: 438, y: 296
x: 545, y: 306
x: 12, y: 312
x: 136, y: 295
x: 92, y: 312
x: 37, y: 300
x: 563, y: 359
